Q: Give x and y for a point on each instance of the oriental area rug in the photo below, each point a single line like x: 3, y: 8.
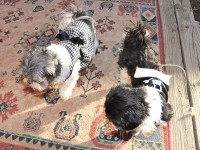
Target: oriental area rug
x: 32, y: 122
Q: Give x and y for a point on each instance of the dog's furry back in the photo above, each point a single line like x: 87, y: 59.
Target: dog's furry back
x: 137, y: 51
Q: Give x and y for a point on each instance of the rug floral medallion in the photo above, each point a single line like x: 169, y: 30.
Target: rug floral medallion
x: 30, y: 121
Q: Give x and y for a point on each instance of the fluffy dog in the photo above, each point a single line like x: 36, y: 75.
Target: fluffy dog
x: 59, y: 64
x: 141, y: 106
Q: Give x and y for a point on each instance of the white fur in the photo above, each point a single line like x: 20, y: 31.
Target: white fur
x: 61, y: 52
x: 64, y: 58
x: 91, y: 20
x: 155, y: 109
x: 96, y: 44
x: 66, y: 88
x: 67, y: 18
x: 37, y: 86
x: 34, y: 85
x: 147, y: 34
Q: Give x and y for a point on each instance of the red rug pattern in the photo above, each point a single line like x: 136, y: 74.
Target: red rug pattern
x: 31, y: 122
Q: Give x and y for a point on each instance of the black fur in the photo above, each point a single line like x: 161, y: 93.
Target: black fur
x: 63, y: 36
x: 126, y: 106
x: 136, y: 51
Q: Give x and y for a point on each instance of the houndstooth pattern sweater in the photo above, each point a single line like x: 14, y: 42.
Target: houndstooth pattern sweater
x: 83, y: 52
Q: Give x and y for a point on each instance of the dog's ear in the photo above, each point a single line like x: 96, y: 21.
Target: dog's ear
x: 50, y: 69
x: 49, y: 74
x: 62, y: 35
x: 24, y: 63
x: 53, y: 68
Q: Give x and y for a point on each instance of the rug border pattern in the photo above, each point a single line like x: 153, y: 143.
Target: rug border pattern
x: 58, y: 145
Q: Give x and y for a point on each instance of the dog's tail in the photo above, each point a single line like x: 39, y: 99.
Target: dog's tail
x: 68, y: 16
x: 74, y: 13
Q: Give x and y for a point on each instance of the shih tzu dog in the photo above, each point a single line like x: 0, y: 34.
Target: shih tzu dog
x: 141, y: 106
x: 59, y: 64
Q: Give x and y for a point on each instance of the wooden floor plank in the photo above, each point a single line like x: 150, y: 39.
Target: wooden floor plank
x: 190, y: 47
x: 182, y: 133
x: 198, y: 26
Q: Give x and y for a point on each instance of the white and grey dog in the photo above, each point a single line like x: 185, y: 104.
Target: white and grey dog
x: 59, y: 64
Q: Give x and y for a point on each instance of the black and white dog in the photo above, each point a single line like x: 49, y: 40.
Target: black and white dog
x: 59, y: 64
x: 141, y: 106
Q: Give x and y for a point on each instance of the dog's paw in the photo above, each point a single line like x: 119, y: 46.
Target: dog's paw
x: 64, y: 94
x: 52, y: 96
x: 127, y: 136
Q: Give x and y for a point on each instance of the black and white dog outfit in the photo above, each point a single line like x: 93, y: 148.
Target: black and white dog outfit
x: 152, y: 78
x: 79, y: 40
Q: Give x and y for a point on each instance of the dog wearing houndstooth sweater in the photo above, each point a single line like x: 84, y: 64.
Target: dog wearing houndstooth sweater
x: 59, y: 64
x: 142, y: 105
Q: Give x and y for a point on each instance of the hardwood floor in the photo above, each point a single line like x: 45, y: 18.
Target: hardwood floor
x: 182, y: 47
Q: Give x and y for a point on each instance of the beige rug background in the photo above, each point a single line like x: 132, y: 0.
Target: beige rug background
x: 78, y: 123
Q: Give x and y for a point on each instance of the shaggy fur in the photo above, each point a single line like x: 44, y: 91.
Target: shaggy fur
x: 137, y: 108
x: 137, y: 51
x: 130, y: 107
x: 50, y: 66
